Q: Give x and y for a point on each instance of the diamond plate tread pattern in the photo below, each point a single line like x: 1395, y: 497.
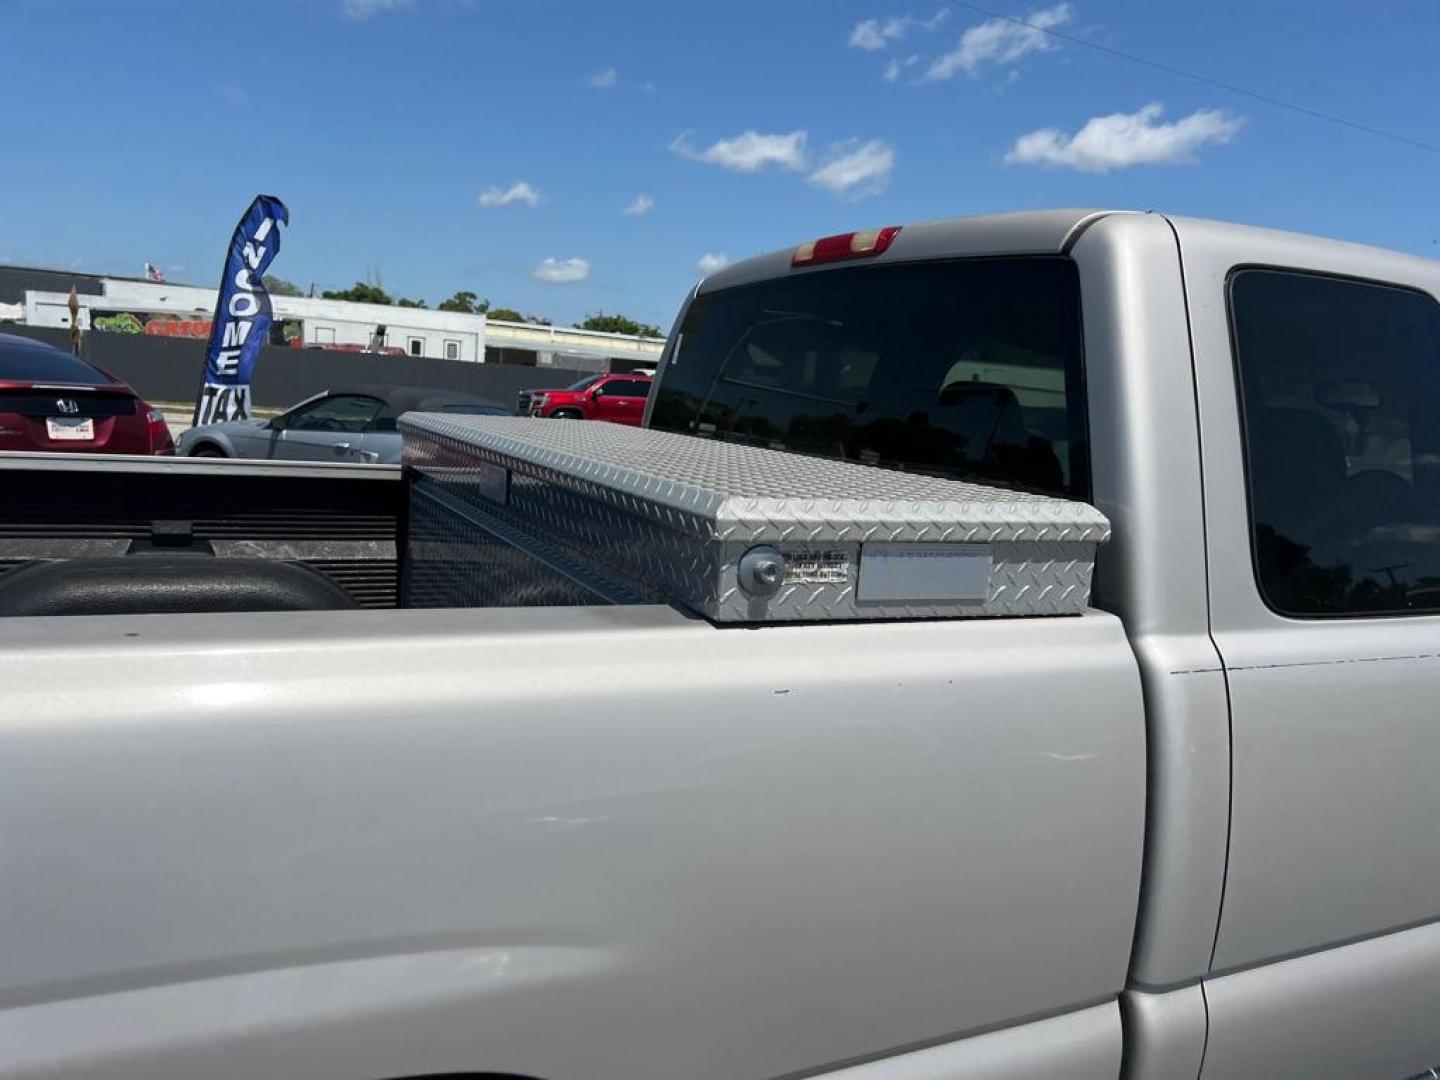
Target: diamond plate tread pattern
x: 446, y: 548
x: 682, y: 543
x: 730, y: 491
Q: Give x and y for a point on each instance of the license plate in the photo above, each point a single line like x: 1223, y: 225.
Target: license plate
x: 73, y: 428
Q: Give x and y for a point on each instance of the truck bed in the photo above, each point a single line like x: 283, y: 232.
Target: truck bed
x: 292, y: 831
x: 340, y: 521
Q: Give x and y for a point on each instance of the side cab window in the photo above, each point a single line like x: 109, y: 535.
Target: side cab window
x: 343, y: 413
x: 1339, y: 384
x: 626, y: 388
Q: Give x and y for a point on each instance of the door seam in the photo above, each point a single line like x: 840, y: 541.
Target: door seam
x: 1205, y: 1043
x: 1209, y: 617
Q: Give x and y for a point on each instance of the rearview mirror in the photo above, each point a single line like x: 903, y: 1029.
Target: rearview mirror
x: 277, y: 423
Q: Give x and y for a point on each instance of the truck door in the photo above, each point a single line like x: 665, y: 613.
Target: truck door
x: 1318, y: 371
x: 621, y: 401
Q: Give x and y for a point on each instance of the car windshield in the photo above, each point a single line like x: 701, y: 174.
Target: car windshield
x: 967, y: 369
x: 585, y: 383
x: 35, y: 363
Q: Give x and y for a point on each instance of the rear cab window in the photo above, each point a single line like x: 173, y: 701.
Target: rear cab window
x: 967, y: 369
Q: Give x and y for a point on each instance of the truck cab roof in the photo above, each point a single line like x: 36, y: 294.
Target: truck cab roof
x: 1027, y: 232
x: 1024, y: 232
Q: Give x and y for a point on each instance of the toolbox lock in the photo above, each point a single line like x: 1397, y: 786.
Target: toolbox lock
x: 761, y: 571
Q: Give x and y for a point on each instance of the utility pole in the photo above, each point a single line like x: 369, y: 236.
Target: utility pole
x: 74, y: 321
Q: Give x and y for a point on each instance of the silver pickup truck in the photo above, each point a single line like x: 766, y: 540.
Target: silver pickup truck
x: 1191, y: 832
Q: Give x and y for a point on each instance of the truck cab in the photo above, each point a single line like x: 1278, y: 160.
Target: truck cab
x: 1186, y: 832
x: 620, y: 399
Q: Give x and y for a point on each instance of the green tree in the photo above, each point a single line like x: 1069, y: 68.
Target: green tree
x: 360, y: 294
x: 618, y: 324
x: 465, y: 302
x: 405, y: 302
x: 278, y: 286
x: 510, y: 314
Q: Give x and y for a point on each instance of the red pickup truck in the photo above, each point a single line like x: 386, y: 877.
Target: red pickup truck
x: 617, y: 398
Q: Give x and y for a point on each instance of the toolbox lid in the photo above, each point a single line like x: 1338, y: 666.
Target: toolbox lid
x: 731, y: 491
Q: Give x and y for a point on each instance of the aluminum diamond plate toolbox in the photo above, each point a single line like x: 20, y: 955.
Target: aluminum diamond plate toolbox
x: 735, y: 533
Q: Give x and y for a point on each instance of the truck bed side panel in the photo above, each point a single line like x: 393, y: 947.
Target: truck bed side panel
x: 395, y: 843
x: 1081, y: 1045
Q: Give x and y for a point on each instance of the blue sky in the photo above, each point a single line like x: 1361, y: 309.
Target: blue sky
x: 495, y: 145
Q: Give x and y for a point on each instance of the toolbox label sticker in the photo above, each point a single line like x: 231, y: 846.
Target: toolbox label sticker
x: 924, y: 573
x: 492, y: 481
x: 817, y: 568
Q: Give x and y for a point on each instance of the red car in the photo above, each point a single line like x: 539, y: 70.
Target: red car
x: 617, y: 398
x: 50, y: 400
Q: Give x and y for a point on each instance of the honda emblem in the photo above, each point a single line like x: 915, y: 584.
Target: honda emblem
x: 67, y: 405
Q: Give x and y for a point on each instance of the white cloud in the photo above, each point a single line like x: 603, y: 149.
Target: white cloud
x: 360, y: 10
x: 896, y: 67
x: 750, y: 151
x: 1005, y: 84
x: 233, y: 95
x: 562, y: 271
x: 642, y: 204
x: 604, y: 80
x: 712, y: 261
x: 519, y: 192
x: 1000, y: 41
x: 1124, y: 139
x: 851, y: 168
x: 854, y: 169
x: 872, y: 35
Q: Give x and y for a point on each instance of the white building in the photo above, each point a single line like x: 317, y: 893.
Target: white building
x: 186, y: 310
x: 569, y: 347
x: 127, y: 305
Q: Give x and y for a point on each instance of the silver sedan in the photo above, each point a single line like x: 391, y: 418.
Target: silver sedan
x: 355, y: 426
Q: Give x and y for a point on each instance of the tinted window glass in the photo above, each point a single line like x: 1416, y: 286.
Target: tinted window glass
x: 1340, y: 392
x: 346, y: 412
x: 968, y: 369
x: 585, y: 383
x: 34, y: 363
x: 627, y: 388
